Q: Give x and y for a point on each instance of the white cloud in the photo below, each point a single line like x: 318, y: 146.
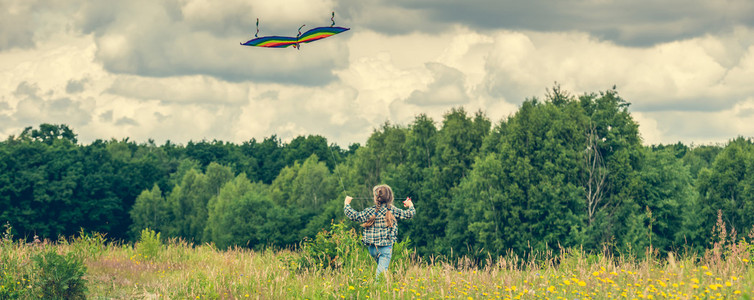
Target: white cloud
x: 648, y: 129
x: 398, y: 77
x: 700, y: 127
x: 627, y: 22
x: 185, y: 89
x: 35, y: 107
x: 176, y: 38
x: 447, y: 87
x: 173, y: 70
x: 658, y: 77
x: 16, y: 28
x: 289, y: 111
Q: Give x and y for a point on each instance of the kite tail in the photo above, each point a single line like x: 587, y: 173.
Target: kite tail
x: 332, y: 19
x: 255, y: 35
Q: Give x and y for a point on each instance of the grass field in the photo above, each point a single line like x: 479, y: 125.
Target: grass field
x: 177, y: 270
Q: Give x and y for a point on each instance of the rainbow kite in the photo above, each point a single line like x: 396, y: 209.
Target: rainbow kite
x: 286, y: 41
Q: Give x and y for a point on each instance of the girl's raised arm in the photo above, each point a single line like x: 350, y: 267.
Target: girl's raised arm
x: 353, y: 214
x: 403, y: 214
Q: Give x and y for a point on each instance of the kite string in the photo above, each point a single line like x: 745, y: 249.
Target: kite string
x: 335, y: 166
x: 298, y: 37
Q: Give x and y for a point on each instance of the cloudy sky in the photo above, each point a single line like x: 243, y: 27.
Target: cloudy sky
x: 174, y: 69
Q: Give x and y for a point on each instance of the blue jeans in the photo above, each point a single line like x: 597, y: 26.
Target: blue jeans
x: 381, y: 255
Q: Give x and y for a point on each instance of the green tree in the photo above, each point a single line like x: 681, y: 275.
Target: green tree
x: 458, y: 144
x: 269, y: 158
x: 189, y: 201
x: 49, y: 133
x: 413, y: 178
x: 303, y: 190
x: 613, y: 134
x: 666, y: 191
x: 525, y: 193
x: 149, y: 211
x: 700, y: 157
x: 727, y: 186
x: 244, y: 215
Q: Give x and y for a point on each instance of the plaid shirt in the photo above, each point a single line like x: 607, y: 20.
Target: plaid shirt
x: 379, y: 234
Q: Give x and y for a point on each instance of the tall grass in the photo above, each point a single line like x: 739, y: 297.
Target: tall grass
x: 184, y: 271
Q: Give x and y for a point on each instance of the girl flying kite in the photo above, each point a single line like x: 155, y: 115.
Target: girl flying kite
x: 380, y: 225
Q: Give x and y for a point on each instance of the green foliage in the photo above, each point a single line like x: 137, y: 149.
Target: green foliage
x: 308, y: 186
x: 150, y: 245
x: 244, y: 215
x: 331, y: 249
x: 49, y: 133
x: 13, y: 274
x: 526, y: 193
x: 561, y: 171
x: 700, y: 157
x: 88, y: 245
x: 50, y: 186
x: 59, y: 276
x: 190, y: 202
x: 403, y: 253
x: 12, y: 269
x: 728, y: 187
x: 666, y: 189
x: 149, y: 211
x: 203, y: 272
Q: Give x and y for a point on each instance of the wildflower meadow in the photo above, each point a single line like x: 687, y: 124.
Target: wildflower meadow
x: 335, y: 266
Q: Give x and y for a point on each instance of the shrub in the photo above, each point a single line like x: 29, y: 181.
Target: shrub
x: 12, y: 275
x: 338, y: 247
x: 402, y: 253
x: 88, y: 245
x: 58, y: 276
x: 341, y: 247
x: 149, y: 245
x: 14, y: 268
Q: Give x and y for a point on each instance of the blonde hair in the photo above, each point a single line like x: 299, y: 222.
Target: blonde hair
x: 383, y: 195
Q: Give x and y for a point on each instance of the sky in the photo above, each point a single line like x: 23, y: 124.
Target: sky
x: 175, y: 70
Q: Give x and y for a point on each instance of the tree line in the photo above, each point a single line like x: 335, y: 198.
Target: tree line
x: 562, y: 171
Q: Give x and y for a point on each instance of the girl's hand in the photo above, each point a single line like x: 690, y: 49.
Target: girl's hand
x: 348, y: 200
x: 408, y: 202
